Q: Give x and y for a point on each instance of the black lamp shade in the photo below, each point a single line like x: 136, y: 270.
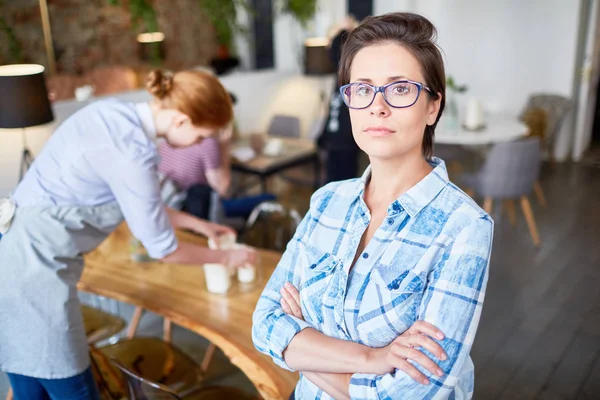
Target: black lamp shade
x: 151, y: 46
x: 23, y: 96
x: 316, y: 58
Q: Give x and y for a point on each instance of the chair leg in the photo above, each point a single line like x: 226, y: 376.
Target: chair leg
x: 208, y: 356
x: 135, y: 322
x: 526, y: 206
x: 488, y: 204
x: 539, y: 192
x: 470, y: 192
x: 510, y: 210
x: 167, y: 330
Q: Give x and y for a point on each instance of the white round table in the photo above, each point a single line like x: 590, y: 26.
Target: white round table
x: 499, y: 128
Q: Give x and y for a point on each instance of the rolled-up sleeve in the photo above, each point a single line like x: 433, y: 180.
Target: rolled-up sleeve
x: 453, y: 302
x: 272, y: 328
x: 134, y: 184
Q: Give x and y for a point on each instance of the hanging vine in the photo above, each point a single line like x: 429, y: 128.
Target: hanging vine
x: 142, y: 12
x: 14, y: 46
x: 302, y: 10
x: 223, y: 17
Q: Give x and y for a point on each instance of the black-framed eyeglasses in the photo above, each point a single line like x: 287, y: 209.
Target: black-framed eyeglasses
x: 399, y: 94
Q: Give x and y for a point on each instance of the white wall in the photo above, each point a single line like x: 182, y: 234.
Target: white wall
x: 260, y: 95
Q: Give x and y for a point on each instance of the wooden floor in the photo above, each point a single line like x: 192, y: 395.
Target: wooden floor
x: 539, y: 336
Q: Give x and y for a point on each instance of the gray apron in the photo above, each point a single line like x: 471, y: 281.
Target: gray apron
x: 41, y: 327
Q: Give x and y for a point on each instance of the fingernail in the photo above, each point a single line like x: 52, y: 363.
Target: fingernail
x: 440, y: 372
x: 444, y: 357
x: 440, y: 335
x: 425, y: 381
x: 287, y: 284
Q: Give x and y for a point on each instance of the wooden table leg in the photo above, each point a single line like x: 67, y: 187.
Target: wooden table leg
x: 135, y: 321
x: 208, y: 356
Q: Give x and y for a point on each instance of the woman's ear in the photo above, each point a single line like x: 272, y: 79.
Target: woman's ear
x: 180, y: 119
x: 433, y: 108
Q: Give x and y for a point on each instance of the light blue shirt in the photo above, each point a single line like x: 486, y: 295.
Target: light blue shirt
x: 427, y: 261
x: 103, y: 153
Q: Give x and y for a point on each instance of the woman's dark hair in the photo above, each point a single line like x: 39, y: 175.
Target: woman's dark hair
x: 415, y: 33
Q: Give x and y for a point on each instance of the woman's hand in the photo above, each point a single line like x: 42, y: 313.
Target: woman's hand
x: 213, y: 231
x: 290, y: 301
x: 239, y: 257
x: 405, y: 347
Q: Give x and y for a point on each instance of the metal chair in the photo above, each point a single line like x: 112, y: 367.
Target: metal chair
x: 271, y: 226
x: 141, y: 388
x: 100, y: 325
x: 509, y: 172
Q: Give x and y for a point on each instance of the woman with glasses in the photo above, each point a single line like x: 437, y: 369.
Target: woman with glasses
x: 97, y: 169
x: 379, y: 293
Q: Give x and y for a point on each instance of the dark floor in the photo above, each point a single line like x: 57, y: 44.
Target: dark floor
x: 539, y: 336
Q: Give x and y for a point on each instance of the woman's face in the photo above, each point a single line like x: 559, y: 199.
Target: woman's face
x: 380, y: 130
x: 181, y: 132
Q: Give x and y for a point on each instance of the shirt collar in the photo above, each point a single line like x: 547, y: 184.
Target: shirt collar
x: 420, y: 195
x: 145, y: 114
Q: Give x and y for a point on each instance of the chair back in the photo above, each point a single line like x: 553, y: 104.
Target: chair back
x: 142, y: 389
x: 510, y: 169
x: 556, y: 107
x: 284, y: 126
x: 271, y: 226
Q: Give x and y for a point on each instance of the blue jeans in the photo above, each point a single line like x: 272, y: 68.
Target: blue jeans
x: 78, y: 387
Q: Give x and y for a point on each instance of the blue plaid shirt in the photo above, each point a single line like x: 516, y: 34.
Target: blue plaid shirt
x: 427, y: 261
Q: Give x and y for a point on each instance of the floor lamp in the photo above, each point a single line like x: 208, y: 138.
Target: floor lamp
x: 23, y: 103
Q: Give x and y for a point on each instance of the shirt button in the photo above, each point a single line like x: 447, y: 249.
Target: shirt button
x: 390, y: 221
x: 365, y: 255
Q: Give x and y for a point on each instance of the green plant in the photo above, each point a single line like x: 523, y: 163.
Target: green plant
x: 223, y: 17
x: 302, y: 10
x: 142, y: 12
x: 14, y: 46
x: 451, y: 85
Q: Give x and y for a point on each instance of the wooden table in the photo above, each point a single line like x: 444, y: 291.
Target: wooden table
x: 178, y: 292
x: 295, y: 152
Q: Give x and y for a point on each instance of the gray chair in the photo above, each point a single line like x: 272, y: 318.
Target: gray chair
x: 509, y: 172
x: 271, y: 226
x: 556, y: 107
x: 284, y: 126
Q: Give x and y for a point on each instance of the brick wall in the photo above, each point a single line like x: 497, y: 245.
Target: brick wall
x: 89, y: 33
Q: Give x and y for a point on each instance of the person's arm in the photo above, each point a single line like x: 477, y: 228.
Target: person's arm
x: 135, y: 185
x: 219, y: 180
x: 183, y: 220
x: 452, y: 302
x: 216, y: 163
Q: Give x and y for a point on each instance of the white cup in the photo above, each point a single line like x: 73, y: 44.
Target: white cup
x: 218, y: 278
x: 246, y: 274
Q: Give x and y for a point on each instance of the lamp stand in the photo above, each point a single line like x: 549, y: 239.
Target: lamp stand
x: 26, y: 157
